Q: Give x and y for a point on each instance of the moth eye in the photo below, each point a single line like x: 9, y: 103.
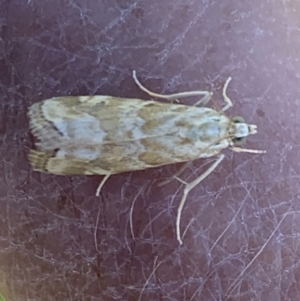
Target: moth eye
x: 239, y: 140
x: 238, y: 119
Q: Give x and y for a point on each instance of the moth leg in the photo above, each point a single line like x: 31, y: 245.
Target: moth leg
x: 102, y: 184
x: 188, y: 188
x: 204, y: 100
x: 200, y: 103
x: 207, y: 95
x: 226, y: 98
x: 247, y: 150
x: 175, y: 176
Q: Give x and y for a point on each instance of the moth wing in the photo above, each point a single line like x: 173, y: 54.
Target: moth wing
x: 108, y: 135
x: 106, y: 119
x: 48, y: 162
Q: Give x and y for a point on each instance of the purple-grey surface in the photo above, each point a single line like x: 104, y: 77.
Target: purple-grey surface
x: 241, y: 225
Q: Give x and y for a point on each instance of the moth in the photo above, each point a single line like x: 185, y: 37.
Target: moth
x: 107, y: 135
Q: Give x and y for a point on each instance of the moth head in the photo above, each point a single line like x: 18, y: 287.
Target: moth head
x: 242, y: 130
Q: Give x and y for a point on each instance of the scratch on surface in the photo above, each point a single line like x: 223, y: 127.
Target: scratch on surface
x: 237, y: 281
x: 152, y: 273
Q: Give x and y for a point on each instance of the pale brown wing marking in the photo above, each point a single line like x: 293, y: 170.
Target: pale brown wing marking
x: 152, y: 159
x: 68, y: 101
x: 157, y: 110
x: 47, y: 162
x: 155, y: 153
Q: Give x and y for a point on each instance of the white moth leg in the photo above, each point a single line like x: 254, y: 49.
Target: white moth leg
x: 226, y: 98
x: 175, y: 176
x: 188, y: 188
x: 204, y: 100
x: 102, y: 184
x: 207, y: 94
x: 246, y: 150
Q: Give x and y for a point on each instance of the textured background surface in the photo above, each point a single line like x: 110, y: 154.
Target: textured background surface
x: 60, y: 242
